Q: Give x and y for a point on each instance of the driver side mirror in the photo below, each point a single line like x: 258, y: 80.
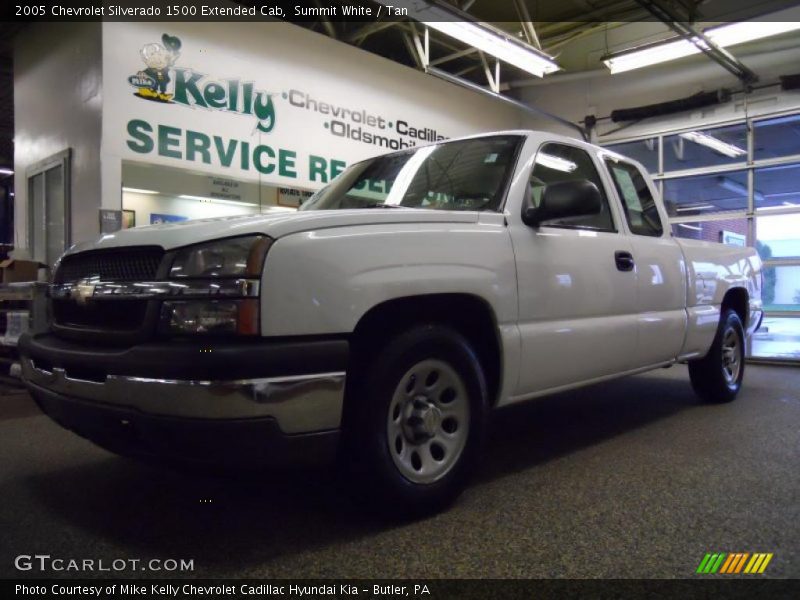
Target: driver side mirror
x: 562, y: 200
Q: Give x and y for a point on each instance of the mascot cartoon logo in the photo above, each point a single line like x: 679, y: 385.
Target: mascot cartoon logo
x: 152, y: 82
x: 161, y: 81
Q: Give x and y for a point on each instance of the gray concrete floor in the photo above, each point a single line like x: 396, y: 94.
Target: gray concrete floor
x: 632, y: 478
x: 778, y: 337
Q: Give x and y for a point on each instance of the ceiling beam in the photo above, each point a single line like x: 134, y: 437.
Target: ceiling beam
x: 527, y: 25
x: 553, y: 44
x: 358, y: 36
x: 453, y: 56
x: 610, y: 9
x: 492, y: 79
x: 413, y: 51
x: 687, y: 31
x: 330, y: 29
x: 421, y: 44
x: 526, y: 107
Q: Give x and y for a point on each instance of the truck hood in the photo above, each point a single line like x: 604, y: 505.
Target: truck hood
x: 275, y: 225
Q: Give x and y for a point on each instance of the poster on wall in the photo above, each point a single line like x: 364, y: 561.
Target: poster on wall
x: 291, y: 197
x: 158, y: 219
x: 220, y: 188
x: 732, y: 239
x: 128, y: 219
x: 110, y: 220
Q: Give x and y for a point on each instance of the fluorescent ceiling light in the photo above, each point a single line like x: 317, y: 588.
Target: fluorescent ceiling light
x: 478, y: 35
x: 138, y: 190
x: 555, y: 162
x: 714, y: 143
x: 737, y: 188
x: 700, y: 207
x: 784, y: 205
x: 486, y: 40
x: 730, y: 34
x: 651, y: 55
x: 748, y: 31
x: 4, y: 171
x: 217, y: 200
x: 693, y: 227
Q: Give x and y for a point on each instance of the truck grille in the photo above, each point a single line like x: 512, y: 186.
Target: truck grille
x: 137, y: 263
x: 107, y: 320
x: 105, y: 315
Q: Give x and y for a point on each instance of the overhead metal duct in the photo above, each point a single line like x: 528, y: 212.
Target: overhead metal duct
x: 699, y: 100
x: 790, y: 82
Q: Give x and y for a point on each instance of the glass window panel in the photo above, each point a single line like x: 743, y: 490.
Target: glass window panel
x: 704, y: 194
x: 776, y: 137
x: 781, y: 291
x: 645, y: 151
x: 559, y: 162
x: 556, y: 163
x: 778, y: 236
x: 727, y: 231
x: 705, y: 148
x: 778, y: 337
x: 777, y: 187
x: 54, y: 214
x: 36, y: 225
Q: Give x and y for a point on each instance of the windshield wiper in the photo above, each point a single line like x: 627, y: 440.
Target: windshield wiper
x: 382, y: 205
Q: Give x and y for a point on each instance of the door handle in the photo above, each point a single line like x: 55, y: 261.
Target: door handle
x: 624, y: 260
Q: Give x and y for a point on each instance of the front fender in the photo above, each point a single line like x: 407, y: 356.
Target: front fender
x: 322, y: 282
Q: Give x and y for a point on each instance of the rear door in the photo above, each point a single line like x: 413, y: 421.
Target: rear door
x: 659, y: 263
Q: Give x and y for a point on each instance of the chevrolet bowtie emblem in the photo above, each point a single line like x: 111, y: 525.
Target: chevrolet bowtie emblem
x: 82, y: 291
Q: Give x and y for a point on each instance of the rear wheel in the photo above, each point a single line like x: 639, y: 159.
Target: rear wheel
x: 418, y: 422
x: 718, y: 376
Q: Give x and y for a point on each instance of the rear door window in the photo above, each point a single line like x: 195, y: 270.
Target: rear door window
x: 640, y: 207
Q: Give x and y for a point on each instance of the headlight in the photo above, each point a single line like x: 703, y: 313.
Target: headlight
x: 233, y: 257
x: 210, y: 317
x: 216, y: 269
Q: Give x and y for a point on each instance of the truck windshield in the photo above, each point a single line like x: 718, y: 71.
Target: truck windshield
x: 460, y: 175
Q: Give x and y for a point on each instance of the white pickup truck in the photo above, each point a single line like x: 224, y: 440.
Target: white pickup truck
x: 385, y: 320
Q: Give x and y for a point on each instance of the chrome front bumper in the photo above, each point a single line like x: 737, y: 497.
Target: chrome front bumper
x: 298, y: 403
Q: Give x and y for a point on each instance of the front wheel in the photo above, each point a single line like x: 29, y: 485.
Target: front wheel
x: 718, y: 377
x: 418, y: 422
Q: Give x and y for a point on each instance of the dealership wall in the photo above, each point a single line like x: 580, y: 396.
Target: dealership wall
x: 75, y: 88
x: 58, y: 105
x: 332, y: 104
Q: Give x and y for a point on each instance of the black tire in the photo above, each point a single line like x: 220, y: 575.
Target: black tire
x: 714, y: 378
x: 382, y: 471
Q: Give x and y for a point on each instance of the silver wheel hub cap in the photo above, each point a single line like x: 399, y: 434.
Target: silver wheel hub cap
x: 422, y: 419
x: 428, y: 421
x: 731, y: 356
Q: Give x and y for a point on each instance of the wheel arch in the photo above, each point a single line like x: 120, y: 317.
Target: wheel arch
x: 738, y: 300
x: 470, y: 315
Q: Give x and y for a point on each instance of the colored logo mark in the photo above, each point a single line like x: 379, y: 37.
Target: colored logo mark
x: 734, y: 563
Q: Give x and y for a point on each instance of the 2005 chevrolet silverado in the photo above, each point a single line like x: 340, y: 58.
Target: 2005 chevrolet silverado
x: 385, y: 320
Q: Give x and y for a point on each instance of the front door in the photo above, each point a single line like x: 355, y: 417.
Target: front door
x: 577, y: 295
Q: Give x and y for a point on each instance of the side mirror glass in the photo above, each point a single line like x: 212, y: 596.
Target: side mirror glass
x: 562, y: 200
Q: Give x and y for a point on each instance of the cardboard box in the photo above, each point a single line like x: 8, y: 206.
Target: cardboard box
x: 19, y: 270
